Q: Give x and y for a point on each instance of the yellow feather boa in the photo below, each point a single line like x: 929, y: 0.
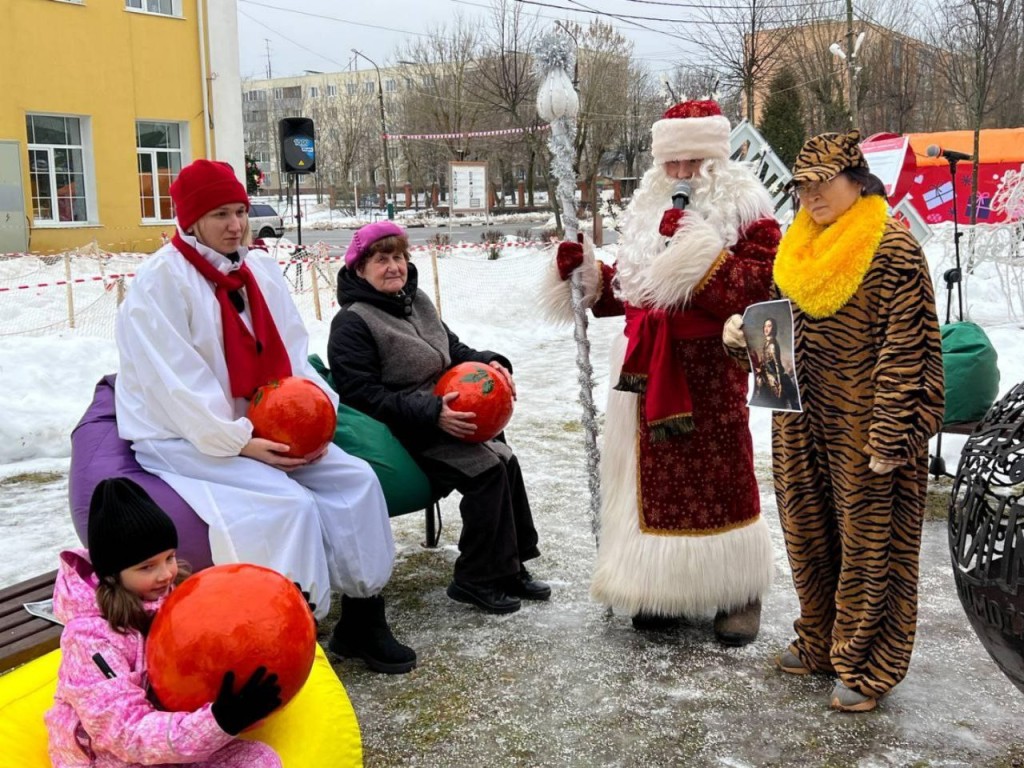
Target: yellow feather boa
x: 821, y: 267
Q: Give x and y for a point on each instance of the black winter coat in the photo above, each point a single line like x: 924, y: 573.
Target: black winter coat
x: 355, y: 364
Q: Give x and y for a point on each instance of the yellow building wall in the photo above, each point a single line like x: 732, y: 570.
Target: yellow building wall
x: 114, y: 66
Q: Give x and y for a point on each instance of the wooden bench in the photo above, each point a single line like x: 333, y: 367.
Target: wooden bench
x: 24, y: 637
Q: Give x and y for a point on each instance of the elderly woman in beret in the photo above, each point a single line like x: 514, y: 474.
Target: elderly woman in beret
x: 387, y: 350
x: 851, y: 468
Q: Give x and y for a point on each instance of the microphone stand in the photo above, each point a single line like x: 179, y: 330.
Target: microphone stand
x: 953, y: 276
x: 937, y: 466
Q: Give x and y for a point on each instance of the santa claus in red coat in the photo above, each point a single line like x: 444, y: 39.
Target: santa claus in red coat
x: 681, y: 527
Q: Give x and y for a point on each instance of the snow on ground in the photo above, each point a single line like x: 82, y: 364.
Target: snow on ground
x: 564, y: 683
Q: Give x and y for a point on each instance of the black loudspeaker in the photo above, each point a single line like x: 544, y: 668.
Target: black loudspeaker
x: 298, y: 144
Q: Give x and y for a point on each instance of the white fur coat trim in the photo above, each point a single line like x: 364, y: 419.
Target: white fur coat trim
x: 673, y: 273
x: 554, y: 298
x: 669, y: 575
x: 727, y: 197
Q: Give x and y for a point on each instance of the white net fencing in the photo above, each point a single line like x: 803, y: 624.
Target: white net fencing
x: 78, y: 293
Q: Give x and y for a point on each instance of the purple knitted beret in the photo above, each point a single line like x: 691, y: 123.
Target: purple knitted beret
x: 367, y: 236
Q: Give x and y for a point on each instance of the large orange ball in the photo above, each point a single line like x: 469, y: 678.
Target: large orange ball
x: 229, y: 618
x: 483, y: 391
x: 295, y: 411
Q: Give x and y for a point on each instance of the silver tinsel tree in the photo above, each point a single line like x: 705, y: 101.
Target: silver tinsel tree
x: 558, y: 104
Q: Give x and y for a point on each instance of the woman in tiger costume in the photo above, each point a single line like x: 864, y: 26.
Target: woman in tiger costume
x: 851, y: 468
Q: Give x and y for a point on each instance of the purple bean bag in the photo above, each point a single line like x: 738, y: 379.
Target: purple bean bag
x: 98, y: 452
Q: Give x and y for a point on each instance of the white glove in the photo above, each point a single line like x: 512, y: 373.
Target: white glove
x: 732, y: 333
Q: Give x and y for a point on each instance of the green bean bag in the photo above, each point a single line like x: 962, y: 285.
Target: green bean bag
x: 406, y: 488
x: 972, y: 374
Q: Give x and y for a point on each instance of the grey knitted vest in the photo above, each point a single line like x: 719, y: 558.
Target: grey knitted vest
x: 413, y: 350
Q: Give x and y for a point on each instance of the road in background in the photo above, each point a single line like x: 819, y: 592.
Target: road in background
x: 425, y: 235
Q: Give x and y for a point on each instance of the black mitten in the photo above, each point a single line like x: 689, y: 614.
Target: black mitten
x: 305, y: 596
x: 234, y: 712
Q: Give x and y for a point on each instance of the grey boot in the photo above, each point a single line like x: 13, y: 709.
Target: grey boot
x: 362, y: 632
x: 740, y: 625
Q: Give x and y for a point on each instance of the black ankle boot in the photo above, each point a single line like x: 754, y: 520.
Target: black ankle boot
x: 362, y: 632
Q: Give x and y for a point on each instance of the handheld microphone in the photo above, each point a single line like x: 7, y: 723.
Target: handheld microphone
x: 950, y: 154
x: 681, y: 194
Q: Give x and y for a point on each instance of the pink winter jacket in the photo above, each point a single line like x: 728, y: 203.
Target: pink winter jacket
x: 103, y: 723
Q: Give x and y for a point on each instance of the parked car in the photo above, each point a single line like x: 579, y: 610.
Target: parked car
x: 265, y: 221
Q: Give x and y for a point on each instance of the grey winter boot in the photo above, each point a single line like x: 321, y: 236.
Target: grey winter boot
x: 362, y: 632
x: 738, y: 626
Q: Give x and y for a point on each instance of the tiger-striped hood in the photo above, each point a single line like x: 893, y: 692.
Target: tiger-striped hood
x: 726, y: 199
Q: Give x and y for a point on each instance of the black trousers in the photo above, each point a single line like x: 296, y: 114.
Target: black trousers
x: 498, y: 534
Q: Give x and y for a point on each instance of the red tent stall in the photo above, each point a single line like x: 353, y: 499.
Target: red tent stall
x: 928, y: 182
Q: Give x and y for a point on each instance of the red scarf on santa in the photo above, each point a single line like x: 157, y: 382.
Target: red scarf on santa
x: 652, y: 369
x: 253, y: 358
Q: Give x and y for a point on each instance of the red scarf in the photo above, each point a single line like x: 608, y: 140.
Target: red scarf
x: 252, y: 360
x: 653, y: 370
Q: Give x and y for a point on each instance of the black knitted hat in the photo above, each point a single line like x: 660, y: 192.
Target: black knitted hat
x: 126, y: 527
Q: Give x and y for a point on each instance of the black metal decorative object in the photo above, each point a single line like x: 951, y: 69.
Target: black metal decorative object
x: 986, y: 532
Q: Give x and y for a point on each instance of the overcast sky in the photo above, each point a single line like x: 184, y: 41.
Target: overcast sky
x: 319, y: 34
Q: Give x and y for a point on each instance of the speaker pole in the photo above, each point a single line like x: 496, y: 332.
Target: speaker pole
x: 298, y: 207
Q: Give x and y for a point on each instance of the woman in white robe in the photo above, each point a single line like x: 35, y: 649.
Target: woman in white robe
x: 187, y: 367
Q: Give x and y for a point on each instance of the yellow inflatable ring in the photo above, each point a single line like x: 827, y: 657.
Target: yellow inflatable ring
x: 318, y: 727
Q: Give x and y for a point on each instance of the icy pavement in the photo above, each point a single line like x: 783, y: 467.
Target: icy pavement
x: 561, y: 683
x: 566, y: 684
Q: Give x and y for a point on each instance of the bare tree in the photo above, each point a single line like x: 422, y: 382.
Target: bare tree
x: 504, y: 83
x: 437, y: 98
x: 745, y: 41
x: 820, y: 75
x: 976, y: 33
x: 1009, y: 106
x: 347, y: 131
x: 603, y: 59
x: 643, y: 107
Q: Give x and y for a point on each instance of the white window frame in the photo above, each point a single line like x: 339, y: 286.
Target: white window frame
x: 369, y: 86
x: 314, y: 92
x: 332, y: 91
x: 183, y: 160
x: 89, y: 177
x: 144, y: 7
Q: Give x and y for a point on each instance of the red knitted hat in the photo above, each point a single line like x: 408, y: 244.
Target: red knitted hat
x: 691, y: 130
x: 202, y: 186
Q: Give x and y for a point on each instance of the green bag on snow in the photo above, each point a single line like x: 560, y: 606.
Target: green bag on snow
x: 972, y: 374
x: 406, y: 488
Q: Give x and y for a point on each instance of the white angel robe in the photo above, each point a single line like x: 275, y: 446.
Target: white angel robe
x: 324, y: 525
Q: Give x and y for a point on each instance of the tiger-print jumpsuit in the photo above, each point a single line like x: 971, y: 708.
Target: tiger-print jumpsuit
x: 871, y: 381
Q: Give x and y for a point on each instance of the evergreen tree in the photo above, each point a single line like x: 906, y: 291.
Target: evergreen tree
x: 253, y: 176
x: 782, y: 122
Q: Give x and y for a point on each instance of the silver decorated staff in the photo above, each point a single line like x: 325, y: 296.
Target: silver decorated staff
x: 558, y: 104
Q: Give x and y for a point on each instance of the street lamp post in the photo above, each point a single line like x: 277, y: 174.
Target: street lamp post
x: 383, y: 127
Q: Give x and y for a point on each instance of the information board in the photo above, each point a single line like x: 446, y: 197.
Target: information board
x: 468, y: 187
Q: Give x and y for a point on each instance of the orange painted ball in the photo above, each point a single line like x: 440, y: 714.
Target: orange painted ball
x: 294, y: 411
x: 483, y: 391
x: 229, y: 618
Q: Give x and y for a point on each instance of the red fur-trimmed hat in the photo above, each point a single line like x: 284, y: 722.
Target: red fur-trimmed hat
x: 202, y: 186
x: 691, y: 130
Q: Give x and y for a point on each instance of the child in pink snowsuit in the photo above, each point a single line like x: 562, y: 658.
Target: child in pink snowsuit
x: 102, y: 715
